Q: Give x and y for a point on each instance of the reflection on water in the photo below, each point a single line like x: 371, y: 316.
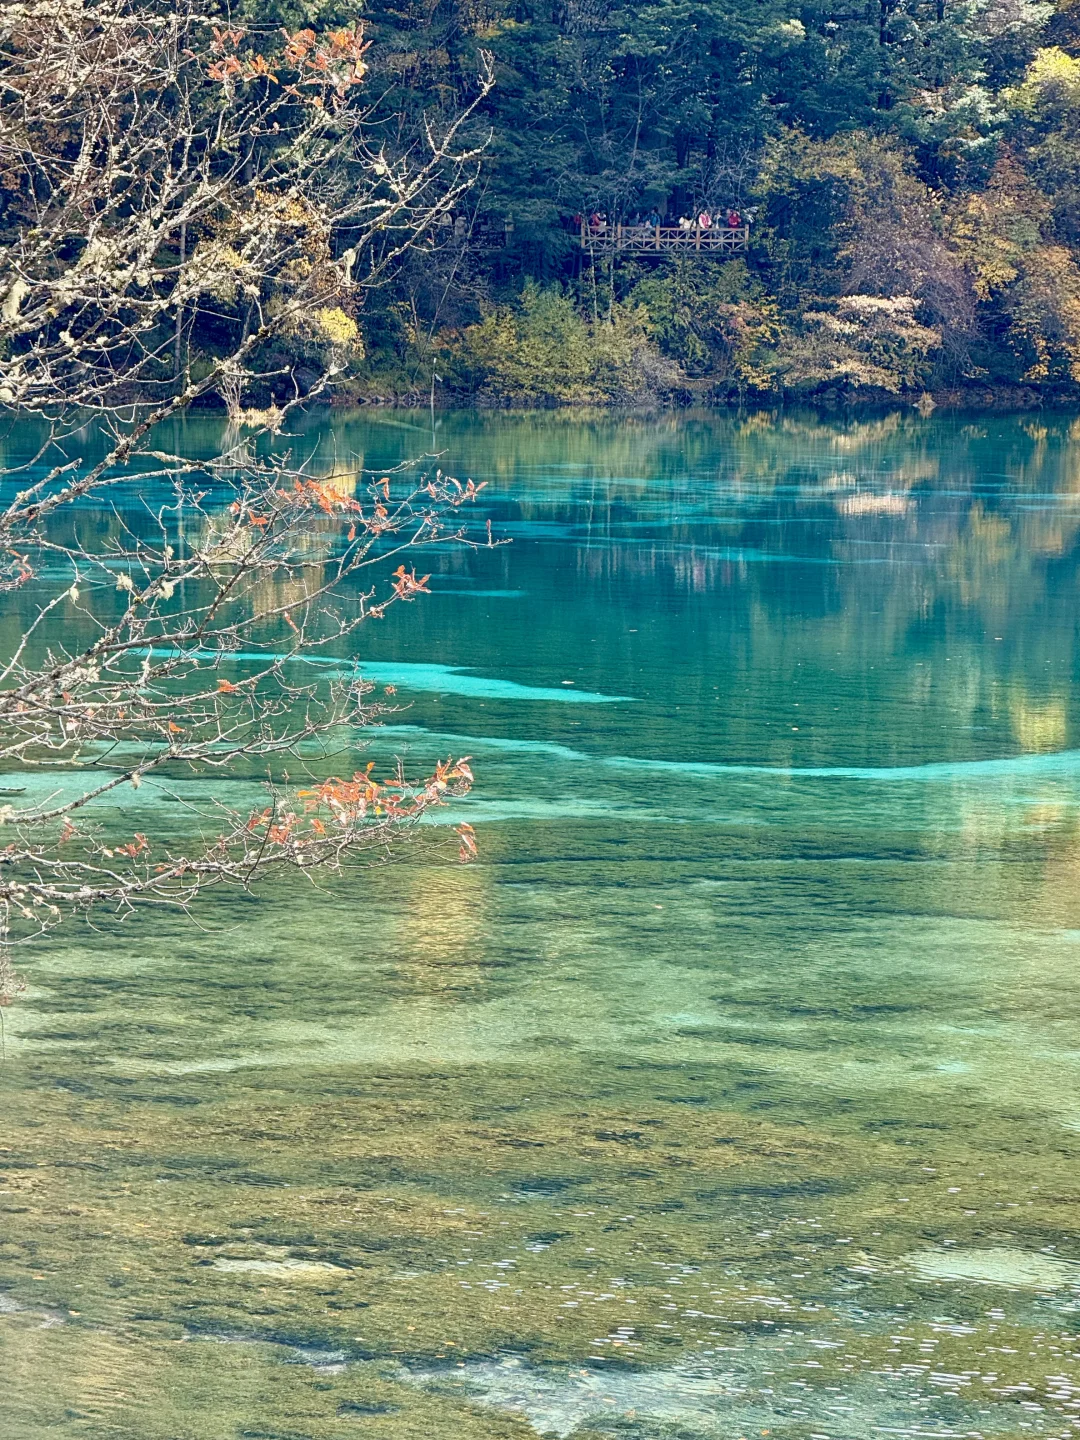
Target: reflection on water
x: 735, y: 1092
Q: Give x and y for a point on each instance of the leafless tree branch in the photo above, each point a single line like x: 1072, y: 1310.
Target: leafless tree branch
x: 161, y: 179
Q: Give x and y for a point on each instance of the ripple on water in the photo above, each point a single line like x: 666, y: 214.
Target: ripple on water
x: 739, y: 1395
x: 560, y: 1402
x: 999, y: 1265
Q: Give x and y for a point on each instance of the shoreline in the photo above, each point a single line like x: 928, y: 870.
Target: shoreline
x: 1002, y: 399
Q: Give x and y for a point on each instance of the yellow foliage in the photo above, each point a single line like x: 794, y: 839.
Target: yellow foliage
x: 864, y: 341
x: 546, y: 351
x: 999, y: 236
x: 1046, y: 312
x: 1052, y: 82
x: 998, y: 226
x: 340, y: 329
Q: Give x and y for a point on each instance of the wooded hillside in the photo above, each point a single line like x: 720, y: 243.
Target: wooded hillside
x: 905, y: 175
x: 911, y: 166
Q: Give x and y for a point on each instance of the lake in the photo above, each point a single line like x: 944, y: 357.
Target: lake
x: 734, y: 1092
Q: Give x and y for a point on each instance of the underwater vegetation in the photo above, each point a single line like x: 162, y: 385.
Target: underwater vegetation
x: 732, y: 1092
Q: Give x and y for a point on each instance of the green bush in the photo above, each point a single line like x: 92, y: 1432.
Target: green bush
x: 712, y: 319
x: 542, y: 350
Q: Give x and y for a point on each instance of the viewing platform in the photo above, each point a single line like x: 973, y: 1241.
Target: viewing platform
x: 645, y: 240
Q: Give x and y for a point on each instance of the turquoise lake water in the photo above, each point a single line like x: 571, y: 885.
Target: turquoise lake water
x: 735, y: 1092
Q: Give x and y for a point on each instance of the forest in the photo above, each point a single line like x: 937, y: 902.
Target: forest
x: 908, y: 171
x: 911, y: 168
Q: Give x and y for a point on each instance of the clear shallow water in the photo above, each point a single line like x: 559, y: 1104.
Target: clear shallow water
x: 734, y: 1092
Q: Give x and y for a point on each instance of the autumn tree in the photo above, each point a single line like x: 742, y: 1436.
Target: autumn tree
x: 1029, y: 285
x: 868, y: 342
x: 184, y: 210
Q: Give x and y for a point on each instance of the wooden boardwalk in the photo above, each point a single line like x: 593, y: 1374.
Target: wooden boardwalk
x: 646, y: 240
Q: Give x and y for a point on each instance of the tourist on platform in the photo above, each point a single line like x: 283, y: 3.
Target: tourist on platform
x: 653, y: 218
x: 734, y: 219
x: 704, y: 220
x: 685, y: 223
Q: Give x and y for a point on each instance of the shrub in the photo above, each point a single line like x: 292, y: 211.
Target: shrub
x: 711, y: 319
x: 542, y: 350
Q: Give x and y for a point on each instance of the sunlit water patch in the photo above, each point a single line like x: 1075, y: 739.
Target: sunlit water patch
x: 699, y: 1401
x: 1001, y: 1265
x: 730, y: 1395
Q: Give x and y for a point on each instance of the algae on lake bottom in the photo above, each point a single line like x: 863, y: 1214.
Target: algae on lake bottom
x: 733, y: 1092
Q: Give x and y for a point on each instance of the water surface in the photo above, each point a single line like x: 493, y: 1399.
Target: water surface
x: 734, y: 1092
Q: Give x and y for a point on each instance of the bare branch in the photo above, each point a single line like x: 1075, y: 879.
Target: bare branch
x: 168, y: 187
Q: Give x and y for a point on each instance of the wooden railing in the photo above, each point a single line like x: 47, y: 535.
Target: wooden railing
x: 660, y: 239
